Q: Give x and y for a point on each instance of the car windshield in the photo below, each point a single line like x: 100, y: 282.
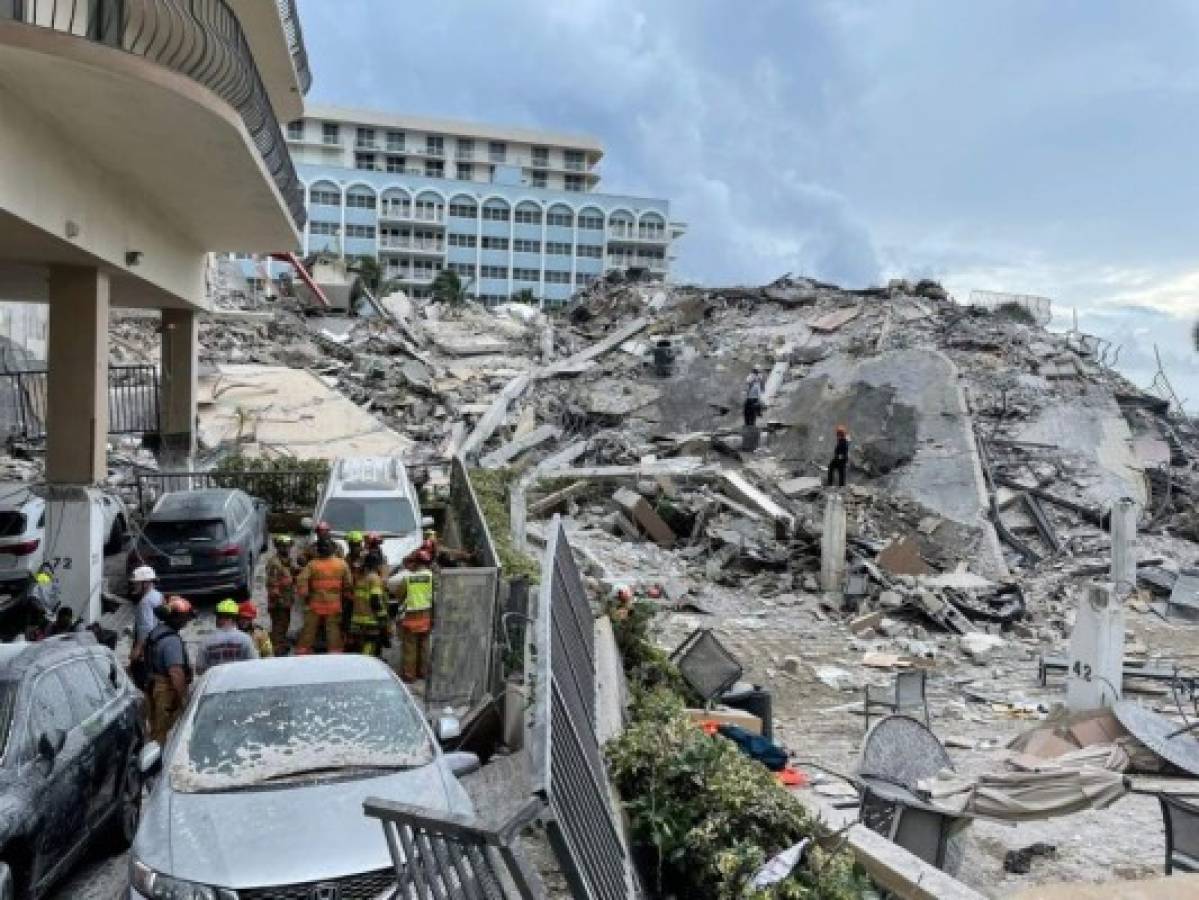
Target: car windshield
x: 387, y: 515
x: 200, y: 531
x: 8, y: 701
x: 239, y: 739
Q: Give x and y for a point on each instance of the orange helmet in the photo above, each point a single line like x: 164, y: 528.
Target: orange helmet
x: 177, y: 606
x: 247, y: 610
x: 842, y: 431
x: 323, y: 528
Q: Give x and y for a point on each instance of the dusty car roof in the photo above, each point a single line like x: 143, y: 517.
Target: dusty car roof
x: 290, y: 670
x: 209, y: 503
x: 17, y: 657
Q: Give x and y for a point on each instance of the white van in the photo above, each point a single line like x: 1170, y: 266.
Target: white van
x: 372, y: 493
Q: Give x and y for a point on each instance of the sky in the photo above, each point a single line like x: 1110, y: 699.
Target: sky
x: 1042, y: 146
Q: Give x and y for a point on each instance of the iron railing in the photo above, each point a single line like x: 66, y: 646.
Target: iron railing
x: 200, y: 39
x: 442, y: 856
x: 290, y: 17
x: 568, y: 769
x: 294, y: 489
x: 133, y: 400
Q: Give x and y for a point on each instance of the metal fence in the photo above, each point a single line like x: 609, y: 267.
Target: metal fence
x: 296, y: 489
x: 201, y: 40
x: 290, y: 17
x: 568, y: 769
x: 441, y: 856
x: 133, y: 400
x: 1040, y: 308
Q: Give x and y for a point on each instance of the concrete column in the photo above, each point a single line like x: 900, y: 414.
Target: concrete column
x: 1124, y: 535
x: 76, y: 435
x: 832, y: 545
x: 77, y: 388
x: 1096, y: 675
x: 178, y: 399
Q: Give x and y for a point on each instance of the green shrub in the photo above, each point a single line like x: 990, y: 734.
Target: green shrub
x: 284, y: 482
x: 705, y: 817
x: 492, y: 487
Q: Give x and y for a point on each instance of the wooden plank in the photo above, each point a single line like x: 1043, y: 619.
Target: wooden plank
x: 549, y: 501
x: 491, y: 420
x: 615, y: 339
x: 505, y: 454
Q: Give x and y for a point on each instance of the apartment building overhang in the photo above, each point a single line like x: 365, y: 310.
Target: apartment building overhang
x: 272, y: 28
x: 172, y: 109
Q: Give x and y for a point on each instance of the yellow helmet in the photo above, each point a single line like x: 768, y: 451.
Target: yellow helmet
x: 44, y: 579
x: 227, y: 608
x: 353, y: 537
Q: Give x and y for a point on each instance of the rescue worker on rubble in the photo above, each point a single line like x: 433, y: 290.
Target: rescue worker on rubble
x: 369, y: 625
x: 227, y: 643
x: 323, y: 584
x: 247, y: 613
x: 170, y: 673
x: 754, y: 386
x: 413, y: 588
x: 840, y: 457
x: 280, y: 591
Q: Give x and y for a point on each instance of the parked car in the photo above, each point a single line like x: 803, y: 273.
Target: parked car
x: 372, y: 493
x: 23, y: 534
x: 203, y: 542
x: 280, y: 754
x: 70, y: 763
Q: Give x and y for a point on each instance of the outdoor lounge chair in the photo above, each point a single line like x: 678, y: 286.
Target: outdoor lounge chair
x: 908, y: 693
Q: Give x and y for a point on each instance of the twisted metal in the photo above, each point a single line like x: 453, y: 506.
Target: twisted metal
x: 200, y: 39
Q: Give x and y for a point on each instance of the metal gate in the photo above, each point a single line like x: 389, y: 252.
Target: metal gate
x: 568, y: 769
x: 133, y: 400
x: 460, y: 645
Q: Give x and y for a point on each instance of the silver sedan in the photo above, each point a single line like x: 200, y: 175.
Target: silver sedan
x: 262, y: 782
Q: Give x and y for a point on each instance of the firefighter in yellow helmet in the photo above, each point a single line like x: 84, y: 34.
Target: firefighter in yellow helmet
x: 369, y: 626
x: 280, y: 591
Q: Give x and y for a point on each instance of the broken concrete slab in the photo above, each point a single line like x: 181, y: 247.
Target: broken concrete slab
x: 830, y: 322
x: 902, y: 557
x: 637, y: 508
x: 801, y: 487
x: 491, y: 420
x: 615, y: 339
x: 740, y: 488
x: 510, y: 451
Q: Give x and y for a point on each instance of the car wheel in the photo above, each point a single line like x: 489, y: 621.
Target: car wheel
x: 129, y: 812
x: 116, y: 537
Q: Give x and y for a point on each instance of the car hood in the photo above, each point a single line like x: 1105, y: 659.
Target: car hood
x: 284, y: 835
x: 396, y: 548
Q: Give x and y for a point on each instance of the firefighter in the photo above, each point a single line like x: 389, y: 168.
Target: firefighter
x: 414, y: 589
x: 369, y: 625
x: 280, y: 591
x: 170, y: 672
x: 323, y: 530
x: 247, y: 612
x: 323, y: 585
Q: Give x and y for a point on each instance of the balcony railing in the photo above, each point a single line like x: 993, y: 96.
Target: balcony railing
x: 205, y: 44
x: 414, y: 245
x: 408, y: 214
x: 652, y: 235
x: 417, y: 276
x: 575, y: 165
x: 295, y: 42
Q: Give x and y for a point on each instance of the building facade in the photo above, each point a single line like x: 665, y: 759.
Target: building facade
x: 509, y: 210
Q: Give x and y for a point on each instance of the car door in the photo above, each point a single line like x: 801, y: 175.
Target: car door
x: 101, y: 730
x: 62, y: 783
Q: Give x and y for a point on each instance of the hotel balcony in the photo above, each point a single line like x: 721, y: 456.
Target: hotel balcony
x: 416, y: 246
x: 392, y: 212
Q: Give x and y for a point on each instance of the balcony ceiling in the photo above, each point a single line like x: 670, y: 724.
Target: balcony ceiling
x: 263, y: 28
x: 170, y: 141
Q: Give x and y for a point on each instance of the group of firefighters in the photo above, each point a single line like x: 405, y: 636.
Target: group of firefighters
x: 350, y: 594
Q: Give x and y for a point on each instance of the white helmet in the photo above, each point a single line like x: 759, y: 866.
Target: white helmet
x: 143, y: 573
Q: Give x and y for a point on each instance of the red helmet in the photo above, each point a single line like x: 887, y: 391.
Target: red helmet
x: 323, y: 528
x: 624, y: 594
x: 247, y: 610
x: 373, y: 539
x: 842, y: 431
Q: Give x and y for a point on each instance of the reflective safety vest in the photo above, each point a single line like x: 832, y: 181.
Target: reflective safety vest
x: 324, y: 583
x: 419, y: 592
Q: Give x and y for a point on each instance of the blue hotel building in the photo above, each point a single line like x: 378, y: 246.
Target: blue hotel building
x: 507, y: 209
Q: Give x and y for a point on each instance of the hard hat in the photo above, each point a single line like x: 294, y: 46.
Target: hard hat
x: 143, y: 573
x: 624, y: 593
x: 374, y: 539
x: 353, y: 537
x: 43, y: 578
x: 430, y: 534
x: 323, y: 528
x: 247, y: 610
x: 284, y: 539
x: 177, y: 606
x: 227, y: 608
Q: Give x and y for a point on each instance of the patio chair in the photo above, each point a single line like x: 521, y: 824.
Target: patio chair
x: 1181, y: 818
x: 908, y: 693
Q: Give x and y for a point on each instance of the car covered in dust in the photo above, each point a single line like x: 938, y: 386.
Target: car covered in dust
x: 262, y: 782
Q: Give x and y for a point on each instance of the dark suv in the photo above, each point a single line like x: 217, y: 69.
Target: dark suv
x: 203, y: 542
x: 70, y: 767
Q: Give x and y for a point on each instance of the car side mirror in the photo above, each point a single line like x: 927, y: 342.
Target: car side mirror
x: 306, y: 523
x: 426, y: 522
x: 50, y: 744
x: 149, y: 761
x: 462, y: 763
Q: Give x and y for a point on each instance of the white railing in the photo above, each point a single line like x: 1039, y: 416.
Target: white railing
x: 654, y: 235
x: 415, y: 244
x: 408, y: 214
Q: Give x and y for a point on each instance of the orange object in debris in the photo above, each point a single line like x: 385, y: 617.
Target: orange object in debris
x: 790, y: 777
x: 655, y: 592
x: 709, y: 726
